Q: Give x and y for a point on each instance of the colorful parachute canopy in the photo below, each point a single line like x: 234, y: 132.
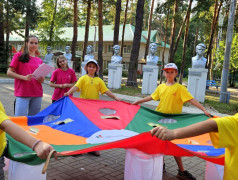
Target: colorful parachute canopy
x: 75, y: 126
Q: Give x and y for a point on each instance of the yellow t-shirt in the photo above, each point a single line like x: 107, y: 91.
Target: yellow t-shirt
x: 171, y: 98
x: 3, y: 117
x: 227, y: 137
x: 90, y: 87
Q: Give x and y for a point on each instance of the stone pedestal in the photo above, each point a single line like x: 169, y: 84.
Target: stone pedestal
x: 51, y: 63
x: 70, y: 64
x: 150, y: 78
x: 83, y: 72
x: 114, y: 76
x: 197, y: 78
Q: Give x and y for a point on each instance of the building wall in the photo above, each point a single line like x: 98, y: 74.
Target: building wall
x: 106, y: 51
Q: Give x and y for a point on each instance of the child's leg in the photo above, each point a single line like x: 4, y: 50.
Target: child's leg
x: 34, y: 106
x: 179, y: 163
x: 1, y: 167
x: 182, y: 174
x: 22, y: 105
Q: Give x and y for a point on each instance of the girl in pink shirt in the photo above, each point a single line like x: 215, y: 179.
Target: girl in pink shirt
x: 27, y: 89
x: 62, y: 79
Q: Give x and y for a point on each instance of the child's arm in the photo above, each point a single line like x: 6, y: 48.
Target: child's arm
x: 52, y: 84
x: 198, y: 105
x: 68, y: 85
x: 189, y: 131
x: 148, y: 98
x: 11, y: 72
x: 71, y: 91
x: 42, y: 149
x: 110, y: 94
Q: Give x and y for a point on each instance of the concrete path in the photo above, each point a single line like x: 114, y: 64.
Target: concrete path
x: 110, y: 165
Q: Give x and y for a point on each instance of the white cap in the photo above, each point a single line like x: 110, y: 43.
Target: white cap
x: 92, y: 61
x: 170, y: 66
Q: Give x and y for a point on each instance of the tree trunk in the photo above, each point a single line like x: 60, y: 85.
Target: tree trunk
x: 181, y: 28
x: 172, y: 35
x: 27, y: 19
x: 2, y: 59
x: 117, y: 22
x: 132, y: 72
x: 214, y: 23
x: 195, y: 42
x: 124, y: 26
x: 87, y: 28
x: 100, y: 38
x: 185, y: 45
x: 227, y: 55
x: 75, y: 36
x: 165, y: 42
x: 149, y: 29
x: 131, y: 11
x: 52, y: 25
x: 7, y: 29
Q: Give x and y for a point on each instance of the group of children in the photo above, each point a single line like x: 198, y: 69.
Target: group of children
x: 171, y: 95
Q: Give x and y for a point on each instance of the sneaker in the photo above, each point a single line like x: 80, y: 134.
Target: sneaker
x: 164, y: 168
x: 95, y: 153
x: 185, y: 175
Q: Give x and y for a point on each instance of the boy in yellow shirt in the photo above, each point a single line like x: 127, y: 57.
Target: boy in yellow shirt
x: 223, y: 133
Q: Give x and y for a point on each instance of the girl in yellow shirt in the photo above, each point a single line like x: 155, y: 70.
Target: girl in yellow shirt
x: 90, y: 85
x: 172, y: 96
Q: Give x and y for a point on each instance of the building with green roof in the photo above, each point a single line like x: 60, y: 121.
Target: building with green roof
x: 108, y: 33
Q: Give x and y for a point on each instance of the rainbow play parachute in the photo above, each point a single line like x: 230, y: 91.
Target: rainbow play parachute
x: 75, y: 126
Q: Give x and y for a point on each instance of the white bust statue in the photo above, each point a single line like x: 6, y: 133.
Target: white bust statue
x: 48, y: 56
x: 151, y: 59
x: 89, y: 53
x: 199, y: 61
x: 67, y: 53
x: 116, y: 59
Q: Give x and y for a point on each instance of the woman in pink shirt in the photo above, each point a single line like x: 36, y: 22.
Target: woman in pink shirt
x: 27, y: 89
x: 62, y: 79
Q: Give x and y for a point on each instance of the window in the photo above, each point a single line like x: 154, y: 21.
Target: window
x: 110, y: 48
x: 127, y: 49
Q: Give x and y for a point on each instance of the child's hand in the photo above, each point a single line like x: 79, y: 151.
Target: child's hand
x: 117, y: 99
x: 162, y: 133
x: 28, y: 77
x: 207, y: 113
x: 135, y: 103
x: 41, y: 79
x: 43, y: 149
x: 66, y: 94
x: 64, y: 86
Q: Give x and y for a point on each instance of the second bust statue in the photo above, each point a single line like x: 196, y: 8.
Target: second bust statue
x: 116, y: 59
x: 151, y: 59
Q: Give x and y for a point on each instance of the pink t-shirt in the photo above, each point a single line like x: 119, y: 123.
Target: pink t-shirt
x: 62, y: 77
x: 26, y: 88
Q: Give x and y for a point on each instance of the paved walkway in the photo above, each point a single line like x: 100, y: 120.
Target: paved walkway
x: 110, y: 165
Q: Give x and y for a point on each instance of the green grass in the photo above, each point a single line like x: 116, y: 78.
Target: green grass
x: 211, y: 100
x: 4, y: 75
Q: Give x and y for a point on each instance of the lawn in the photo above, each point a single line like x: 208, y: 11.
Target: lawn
x: 211, y: 100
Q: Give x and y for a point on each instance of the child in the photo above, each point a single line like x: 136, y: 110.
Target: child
x: 27, y: 89
x: 42, y: 149
x: 172, y: 96
x: 227, y: 128
x: 90, y: 86
x: 62, y: 79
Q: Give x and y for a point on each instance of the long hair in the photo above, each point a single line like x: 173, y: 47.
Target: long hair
x: 61, y: 57
x: 25, y: 55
